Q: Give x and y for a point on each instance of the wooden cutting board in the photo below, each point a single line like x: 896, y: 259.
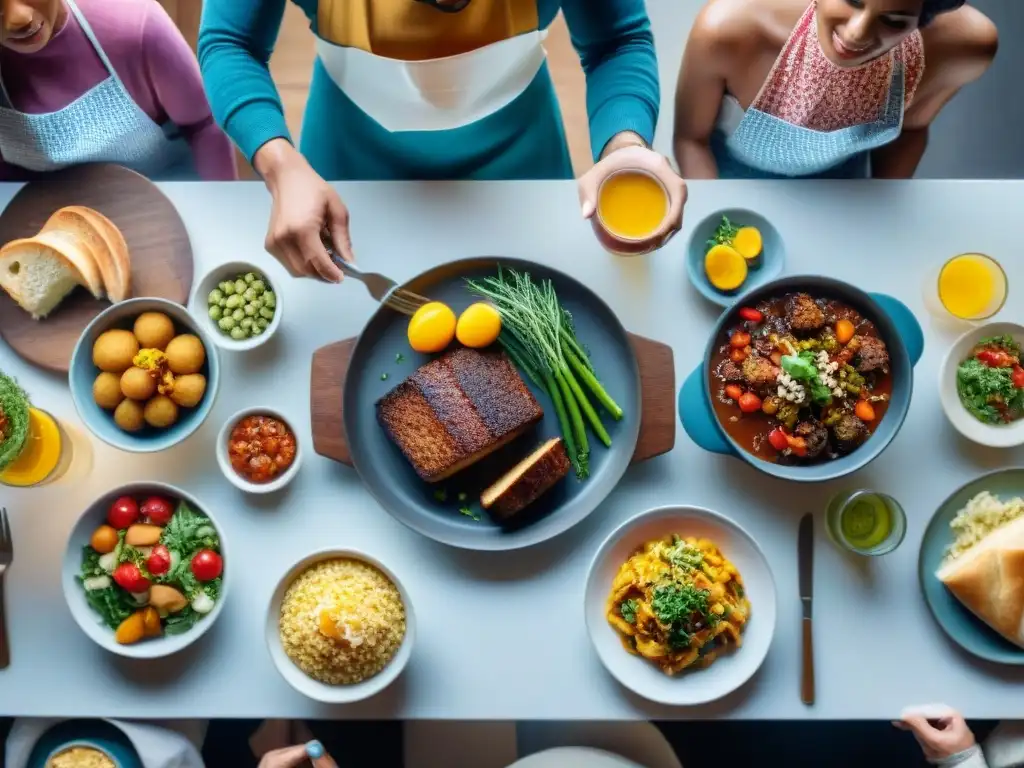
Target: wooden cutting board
x: 158, y: 243
x: 657, y: 397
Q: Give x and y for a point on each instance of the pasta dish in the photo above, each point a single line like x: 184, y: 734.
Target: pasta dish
x: 679, y: 603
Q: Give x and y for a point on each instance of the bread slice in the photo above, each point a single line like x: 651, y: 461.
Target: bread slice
x: 989, y: 580
x: 80, y: 254
x: 36, y: 276
x: 528, y: 480
x: 70, y: 223
x: 117, y: 246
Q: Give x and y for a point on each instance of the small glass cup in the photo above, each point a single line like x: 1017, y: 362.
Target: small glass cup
x: 865, y: 522
x: 949, y: 291
x: 46, y: 456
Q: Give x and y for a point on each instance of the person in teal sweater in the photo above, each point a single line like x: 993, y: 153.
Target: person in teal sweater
x: 423, y: 89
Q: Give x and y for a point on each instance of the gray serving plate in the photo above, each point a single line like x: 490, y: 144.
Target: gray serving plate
x: 397, y: 487
x: 962, y: 626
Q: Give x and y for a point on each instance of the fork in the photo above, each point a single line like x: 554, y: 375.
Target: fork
x: 6, y: 556
x: 383, y: 289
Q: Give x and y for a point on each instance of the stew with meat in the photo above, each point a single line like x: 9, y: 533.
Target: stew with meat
x: 799, y: 379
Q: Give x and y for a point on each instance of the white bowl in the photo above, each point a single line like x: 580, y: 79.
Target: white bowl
x: 93, y: 517
x: 992, y: 435
x: 201, y: 309
x: 337, y: 694
x: 730, y: 670
x: 225, y: 462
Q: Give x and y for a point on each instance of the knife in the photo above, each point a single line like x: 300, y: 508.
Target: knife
x: 805, y: 557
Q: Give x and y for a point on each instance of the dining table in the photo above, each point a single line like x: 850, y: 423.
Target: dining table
x: 501, y: 635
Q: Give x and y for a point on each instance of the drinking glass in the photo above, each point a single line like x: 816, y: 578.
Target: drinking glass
x: 969, y: 287
x: 865, y: 522
x: 45, y: 457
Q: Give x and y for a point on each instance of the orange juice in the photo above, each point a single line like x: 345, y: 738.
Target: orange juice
x: 972, y: 286
x: 45, y: 455
x: 632, y: 204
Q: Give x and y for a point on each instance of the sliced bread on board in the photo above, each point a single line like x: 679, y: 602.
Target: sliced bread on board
x: 80, y: 254
x: 69, y: 222
x: 37, y: 276
x: 117, y: 245
x: 988, y: 579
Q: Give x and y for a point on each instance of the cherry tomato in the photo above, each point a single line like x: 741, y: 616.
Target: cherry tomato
x: 733, y: 391
x: 778, y: 439
x: 1018, y: 377
x: 158, y: 509
x: 130, y: 578
x: 994, y: 358
x: 738, y: 355
x: 104, y: 539
x: 750, y: 403
x: 123, y: 512
x: 751, y: 314
x: 159, y: 560
x: 739, y: 340
x: 207, y: 565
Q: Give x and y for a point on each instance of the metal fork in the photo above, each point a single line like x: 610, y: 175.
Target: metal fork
x: 6, y: 556
x: 383, y: 289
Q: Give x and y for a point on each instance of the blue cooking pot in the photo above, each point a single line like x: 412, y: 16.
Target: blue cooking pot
x: 896, y: 325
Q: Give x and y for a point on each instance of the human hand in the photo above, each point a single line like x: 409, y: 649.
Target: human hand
x: 636, y: 157
x: 304, y: 206
x: 291, y: 757
x: 940, y: 737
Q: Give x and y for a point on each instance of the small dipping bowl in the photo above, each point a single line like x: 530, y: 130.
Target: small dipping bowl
x: 772, y: 259
x: 200, y: 307
x: 875, y: 506
x: 224, y: 460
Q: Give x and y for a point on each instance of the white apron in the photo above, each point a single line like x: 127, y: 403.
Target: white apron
x: 103, y: 125
x: 436, y: 94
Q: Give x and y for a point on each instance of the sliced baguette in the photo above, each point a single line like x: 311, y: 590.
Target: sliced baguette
x: 80, y: 254
x: 36, y: 276
x: 989, y: 580
x: 118, y: 249
x: 70, y: 223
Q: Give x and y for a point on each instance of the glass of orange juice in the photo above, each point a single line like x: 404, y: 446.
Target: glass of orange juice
x: 34, y: 448
x: 971, y: 287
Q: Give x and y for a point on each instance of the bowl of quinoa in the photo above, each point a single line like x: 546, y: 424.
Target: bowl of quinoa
x: 340, y: 626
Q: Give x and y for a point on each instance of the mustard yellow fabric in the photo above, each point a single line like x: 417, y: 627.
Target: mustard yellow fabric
x: 411, y: 31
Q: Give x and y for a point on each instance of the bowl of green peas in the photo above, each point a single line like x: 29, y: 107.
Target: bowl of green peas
x: 239, y: 305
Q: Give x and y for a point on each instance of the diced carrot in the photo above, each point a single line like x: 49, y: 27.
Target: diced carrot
x: 734, y: 391
x: 750, y: 403
x: 844, y: 331
x: 864, y: 411
x: 738, y: 355
x: 739, y: 340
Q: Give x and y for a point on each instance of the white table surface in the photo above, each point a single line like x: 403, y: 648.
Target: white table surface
x: 501, y: 635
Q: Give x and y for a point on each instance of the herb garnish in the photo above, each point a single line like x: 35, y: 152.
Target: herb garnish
x: 384, y: 376
x: 14, y: 405
x: 399, y: 357
x: 681, y: 607
x: 724, y: 234
x: 983, y: 390
x: 469, y: 512
x: 627, y: 609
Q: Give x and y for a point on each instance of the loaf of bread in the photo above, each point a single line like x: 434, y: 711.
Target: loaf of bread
x: 76, y: 246
x: 988, y: 579
x: 527, y: 481
x: 457, y: 409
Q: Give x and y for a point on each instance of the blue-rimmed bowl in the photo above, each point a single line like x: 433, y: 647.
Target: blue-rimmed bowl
x: 83, y: 373
x: 962, y: 626
x: 102, y: 736
x: 773, y: 254
x: 898, y: 328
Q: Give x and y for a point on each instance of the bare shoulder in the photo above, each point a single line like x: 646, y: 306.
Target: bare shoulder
x: 733, y: 30
x: 959, y: 45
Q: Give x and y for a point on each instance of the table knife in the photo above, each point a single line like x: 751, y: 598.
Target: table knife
x: 805, y: 557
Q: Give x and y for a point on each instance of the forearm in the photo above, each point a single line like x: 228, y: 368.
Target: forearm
x: 213, y: 152
x: 695, y: 159
x: 899, y: 159
x: 616, y: 48
x: 235, y: 42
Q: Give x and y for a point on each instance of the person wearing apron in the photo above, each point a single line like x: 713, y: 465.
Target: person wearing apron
x: 111, y: 81
x: 846, y: 95
x: 421, y: 90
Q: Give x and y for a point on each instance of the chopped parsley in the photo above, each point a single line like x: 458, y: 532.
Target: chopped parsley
x: 627, y: 610
x: 384, y: 377
x: 681, y: 607
x: 683, y: 556
x: 399, y: 358
x: 988, y: 393
x: 469, y: 512
x: 724, y: 233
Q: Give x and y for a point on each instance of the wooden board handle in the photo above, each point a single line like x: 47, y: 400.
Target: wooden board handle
x: 807, y: 675
x: 657, y: 396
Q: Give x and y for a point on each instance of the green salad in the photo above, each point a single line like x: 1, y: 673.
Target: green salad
x: 990, y: 382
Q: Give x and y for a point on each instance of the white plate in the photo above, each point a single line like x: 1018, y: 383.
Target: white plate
x: 991, y: 435
x: 730, y: 670
x: 314, y: 689
x: 574, y: 757
x: 86, y: 618
x: 224, y: 461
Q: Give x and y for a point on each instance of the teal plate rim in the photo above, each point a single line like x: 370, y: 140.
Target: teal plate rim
x: 959, y: 624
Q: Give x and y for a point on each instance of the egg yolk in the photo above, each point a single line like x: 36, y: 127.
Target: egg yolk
x: 432, y: 328
x: 478, y: 326
x: 344, y: 631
